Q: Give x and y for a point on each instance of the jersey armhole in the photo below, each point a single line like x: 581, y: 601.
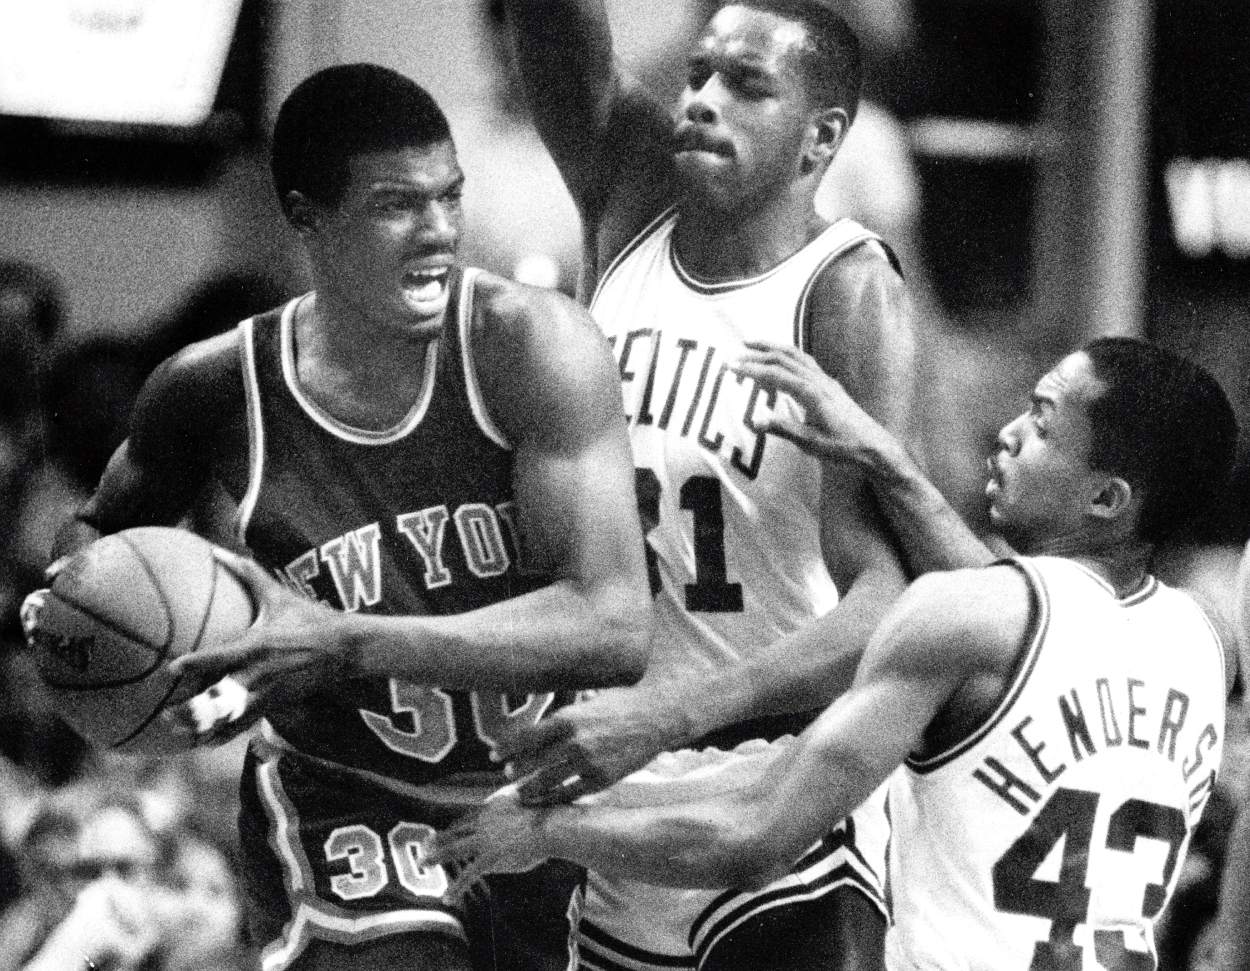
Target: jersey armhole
x: 472, y: 386
x: 857, y: 236
x: 255, y: 428
x: 1035, y: 635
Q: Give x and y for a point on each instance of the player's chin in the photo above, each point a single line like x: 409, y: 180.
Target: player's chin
x: 707, y: 177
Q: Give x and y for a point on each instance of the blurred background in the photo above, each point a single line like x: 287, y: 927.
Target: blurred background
x: 1048, y: 171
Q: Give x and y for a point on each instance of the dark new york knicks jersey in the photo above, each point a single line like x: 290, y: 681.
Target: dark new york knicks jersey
x: 416, y: 519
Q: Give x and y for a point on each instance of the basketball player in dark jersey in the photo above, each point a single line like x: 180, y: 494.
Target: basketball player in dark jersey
x: 706, y: 215
x: 438, y: 455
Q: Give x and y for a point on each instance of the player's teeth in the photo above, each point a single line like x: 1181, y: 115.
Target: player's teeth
x: 425, y: 286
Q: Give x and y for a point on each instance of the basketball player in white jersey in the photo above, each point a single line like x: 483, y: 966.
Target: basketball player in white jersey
x: 702, y: 235
x: 1060, y: 715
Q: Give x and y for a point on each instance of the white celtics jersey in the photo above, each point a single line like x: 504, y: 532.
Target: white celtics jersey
x: 1053, y: 836
x: 732, y: 516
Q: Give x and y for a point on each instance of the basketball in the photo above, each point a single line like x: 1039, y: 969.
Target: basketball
x: 117, y: 613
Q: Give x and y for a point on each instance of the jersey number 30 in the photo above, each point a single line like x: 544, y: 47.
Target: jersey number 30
x: 1069, y: 816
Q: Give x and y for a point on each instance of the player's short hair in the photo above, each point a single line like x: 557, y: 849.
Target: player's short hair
x: 832, y: 63
x: 1165, y: 426
x: 344, y: 111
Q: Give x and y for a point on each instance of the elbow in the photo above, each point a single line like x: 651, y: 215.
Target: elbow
x: 625, y: 625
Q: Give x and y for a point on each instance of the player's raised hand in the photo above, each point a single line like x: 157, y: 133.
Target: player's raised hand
x: 588, y: 746
x: 502, y: 836
x: 292, y: 646
x: 835, y: 427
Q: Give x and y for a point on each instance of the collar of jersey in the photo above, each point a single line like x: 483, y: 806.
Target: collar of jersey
x: 340, y: 429
x: 728, y: 286
x: 1148, y: 586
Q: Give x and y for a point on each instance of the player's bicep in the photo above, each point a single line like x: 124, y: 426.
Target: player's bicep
x: 155, y: 475
x: 861, y: 331
x: 572, y: 465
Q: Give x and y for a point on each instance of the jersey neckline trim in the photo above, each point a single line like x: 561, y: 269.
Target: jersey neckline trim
x: 630, y: 247
x: 1037, y: 636
x: 732, y: 286
x: 1149, y: 586
x: 340, y: 429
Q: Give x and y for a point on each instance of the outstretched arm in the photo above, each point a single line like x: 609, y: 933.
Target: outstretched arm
x: 929, y: 531
x: 601, y: 127
x: 551, y: 386
x: 689, y: 833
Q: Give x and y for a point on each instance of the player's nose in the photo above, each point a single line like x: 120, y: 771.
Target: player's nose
x: 700, y: 105
x: 1008, y: 438
x: 437, y: 229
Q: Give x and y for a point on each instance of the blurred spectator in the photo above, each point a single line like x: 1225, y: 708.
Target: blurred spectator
x: 102, y: 886
x: 93, y: 385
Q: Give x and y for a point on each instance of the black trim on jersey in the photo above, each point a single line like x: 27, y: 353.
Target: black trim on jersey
x: 730, y: 286
x: 838, y: 839
x: 1039, y: 623
x: 605, y: 940
x: 645, y: 233
x: 1149, y: 585
x: 844, y: 875
x: 802, y: 330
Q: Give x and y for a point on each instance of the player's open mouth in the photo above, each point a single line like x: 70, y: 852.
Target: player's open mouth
x: 425, y: 289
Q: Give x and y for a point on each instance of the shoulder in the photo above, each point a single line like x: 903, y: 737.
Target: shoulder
x: 977, y: 598
x: 862, y: 275
x: 962, y: 634
x: 859, y: 328
x: 539, y: 355
x: 1226, y: 631
x: 204, y: 379
x: 511, y: 316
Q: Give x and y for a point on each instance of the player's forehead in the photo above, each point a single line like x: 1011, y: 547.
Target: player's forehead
x: 427, y: 169
x: 1069, y: 385
x: 747, y: 37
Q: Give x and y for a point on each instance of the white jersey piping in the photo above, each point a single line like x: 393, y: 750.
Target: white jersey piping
x: 473, y: 388
x: 339, y: 429
x: 255, y: 428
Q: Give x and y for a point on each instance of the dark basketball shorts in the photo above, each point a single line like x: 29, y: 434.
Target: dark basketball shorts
x: 625, y: 925
x: 333, y: 854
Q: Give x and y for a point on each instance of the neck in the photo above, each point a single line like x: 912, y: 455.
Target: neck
x: 362, y: 373
x: 721, y: 244
x: 1124, y: 564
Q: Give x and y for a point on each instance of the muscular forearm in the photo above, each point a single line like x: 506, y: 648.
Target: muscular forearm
x: 930, y: 533
x: 556, y: 637
x: 743, y: 825
x: 564, y: 51
x: 805, y: 670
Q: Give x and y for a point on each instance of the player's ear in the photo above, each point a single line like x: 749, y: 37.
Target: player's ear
x: 301, y: 212
x: 825, y: 133
x: 1114, y: 499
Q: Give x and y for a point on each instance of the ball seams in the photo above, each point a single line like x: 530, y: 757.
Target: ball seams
x: 170, y: 633
x: 158, y: 653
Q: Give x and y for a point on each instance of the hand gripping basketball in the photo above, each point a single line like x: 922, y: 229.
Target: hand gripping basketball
x: 294, y: 645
